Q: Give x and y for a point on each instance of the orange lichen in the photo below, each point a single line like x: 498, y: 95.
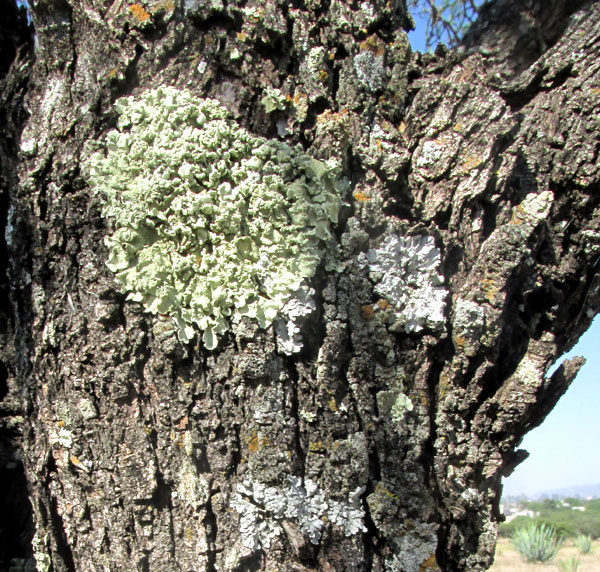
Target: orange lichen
x: 465, y: 74
x: 367, y: 311
x: 383, y: 304
x: 241, y: 36
x: 459, y: 341
x: 471, y: 162
x: 75, y: 461
x: 255, y: 443
x: 429, y: 564
x: 360, y: 196
x: 374, y: 45
x: 139, y: 12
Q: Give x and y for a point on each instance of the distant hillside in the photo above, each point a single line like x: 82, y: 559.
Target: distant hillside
x: 581, y: 491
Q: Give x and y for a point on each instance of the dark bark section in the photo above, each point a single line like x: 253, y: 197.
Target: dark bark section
x: 134, y: 443
x: 16, y: 525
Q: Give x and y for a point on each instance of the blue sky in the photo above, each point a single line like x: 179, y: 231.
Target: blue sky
x: 564, y: 449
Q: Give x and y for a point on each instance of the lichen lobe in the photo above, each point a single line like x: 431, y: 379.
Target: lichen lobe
x: 210, y: 223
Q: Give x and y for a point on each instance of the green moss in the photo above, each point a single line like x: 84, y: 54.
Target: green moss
x: 209, y: 222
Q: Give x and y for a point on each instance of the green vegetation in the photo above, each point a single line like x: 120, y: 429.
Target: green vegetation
x: 583, y: 543
x: 567, y: 521
x: 569, y: 565
x: 536, y: 543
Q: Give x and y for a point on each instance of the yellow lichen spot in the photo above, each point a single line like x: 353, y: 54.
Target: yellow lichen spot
x: 316, y: 447
x: 518, y: 215
x: 332, y: 404
x: 595, y: 90
x: 373, y: 44
x: 323, y: 75
x: 367, y: 311
x: 189, y: 533
x: 429, y: 564
x: 459, y: 341
x: 75, y: 461
x: 470, y: 162
x: 383, y: 304
x: 138, y: 12
x: 465, y: 74
x: 387, y: 493
x: 360, y: 196
x: 459, y: 127
x: 489, y: 288
x: 378, y: 143
x: 402, y: 127
x: 242, y: 36
x: 253, y: 443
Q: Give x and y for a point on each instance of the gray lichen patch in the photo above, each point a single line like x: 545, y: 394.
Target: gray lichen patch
x: 369, y: 70
x: 264, y: 509
x: 406, y: 273
x: 210, y: 223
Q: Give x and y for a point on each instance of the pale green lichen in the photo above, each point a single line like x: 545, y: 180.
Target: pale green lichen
x: 273, y: 100
x: 401, y: 407
x: 209, y: 222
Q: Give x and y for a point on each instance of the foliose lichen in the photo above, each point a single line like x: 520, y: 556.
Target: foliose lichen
x: 287, y: 325
x: 273, y: 100
x: 401, y: 407
x: 263, y: 509
x: 405, y: 272
x: 209, y: 222
x: 369, y: 70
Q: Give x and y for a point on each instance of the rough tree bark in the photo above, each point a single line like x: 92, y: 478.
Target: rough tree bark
x: 141, y: 452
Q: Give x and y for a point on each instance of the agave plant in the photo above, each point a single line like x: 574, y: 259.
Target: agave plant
x: 569, y: 565
x: 583, y: 543
x: 536, y: 543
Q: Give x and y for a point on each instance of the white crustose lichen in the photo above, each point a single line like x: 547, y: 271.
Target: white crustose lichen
x: 208, y: 222
x: 405, y: 272
x: 263, y: 510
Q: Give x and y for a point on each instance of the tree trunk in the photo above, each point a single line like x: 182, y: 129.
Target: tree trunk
x: 467, y: 253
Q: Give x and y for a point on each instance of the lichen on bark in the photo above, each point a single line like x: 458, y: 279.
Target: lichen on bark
x: 135, y: 444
